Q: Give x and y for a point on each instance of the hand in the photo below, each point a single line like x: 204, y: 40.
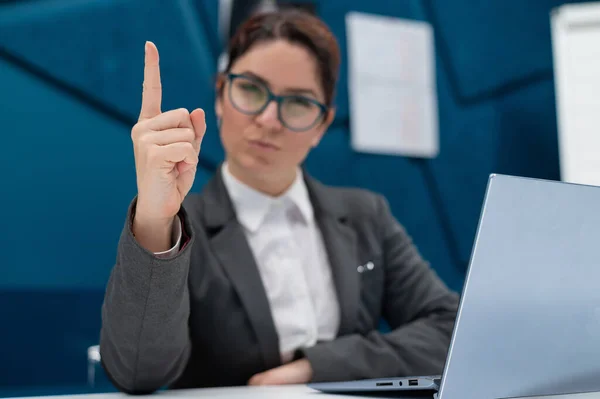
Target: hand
x: 166, y: 147
x: 296, y: 372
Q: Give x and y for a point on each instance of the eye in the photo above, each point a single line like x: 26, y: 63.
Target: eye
x: 300, y: 102
x: 250, y: 87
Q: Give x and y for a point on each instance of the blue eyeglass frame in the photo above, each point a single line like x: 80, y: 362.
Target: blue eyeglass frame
x: 278, y: 99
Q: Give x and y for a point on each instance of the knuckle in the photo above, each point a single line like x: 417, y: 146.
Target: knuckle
x: 189, y: 146
x: 151, y: 87
x: 182, y: 113
x: 135, y: 131
x: 190, y: 135
x: 139, y: 129
x: 191, y: 151
x: 140, y: 137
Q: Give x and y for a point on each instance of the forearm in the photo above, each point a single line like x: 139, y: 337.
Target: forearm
x: 144, y: 341
x: 417, y: 348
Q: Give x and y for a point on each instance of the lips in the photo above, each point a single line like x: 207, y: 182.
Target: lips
x: 263, y: 145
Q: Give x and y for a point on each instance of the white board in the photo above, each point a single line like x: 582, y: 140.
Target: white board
x: 576, y: 57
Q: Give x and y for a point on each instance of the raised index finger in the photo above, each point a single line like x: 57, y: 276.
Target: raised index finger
x: 152, y: 90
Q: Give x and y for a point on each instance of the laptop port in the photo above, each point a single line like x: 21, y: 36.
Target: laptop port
x: 413, y: 382
x: 385, y: 384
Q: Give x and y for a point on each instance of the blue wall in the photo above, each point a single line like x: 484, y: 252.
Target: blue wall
x: 70, y: 80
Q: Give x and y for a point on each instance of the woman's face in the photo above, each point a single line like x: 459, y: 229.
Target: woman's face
x: 261, y: 143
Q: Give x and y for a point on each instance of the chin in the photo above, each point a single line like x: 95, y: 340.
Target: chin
x: 256, y: 164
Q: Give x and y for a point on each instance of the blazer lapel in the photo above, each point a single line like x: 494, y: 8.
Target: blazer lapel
x: 229, y: 244
x: 340, y: 241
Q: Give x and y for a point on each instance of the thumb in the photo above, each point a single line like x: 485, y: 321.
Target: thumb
x: 199, y: 123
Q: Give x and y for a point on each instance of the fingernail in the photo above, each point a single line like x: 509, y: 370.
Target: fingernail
x: 146, y: 46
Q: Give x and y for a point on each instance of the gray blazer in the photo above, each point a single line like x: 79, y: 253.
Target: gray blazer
x: 202, y: 318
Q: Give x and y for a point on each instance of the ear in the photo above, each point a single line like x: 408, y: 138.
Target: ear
x: 317, y: 139
x: 219, y: 86
x: 330, y: 116
x: 219, y: 107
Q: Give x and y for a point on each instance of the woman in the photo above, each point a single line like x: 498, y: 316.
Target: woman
x: 267, y: 276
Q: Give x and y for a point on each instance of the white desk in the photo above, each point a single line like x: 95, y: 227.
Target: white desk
x: 244, y: 392
x: 271, y: 392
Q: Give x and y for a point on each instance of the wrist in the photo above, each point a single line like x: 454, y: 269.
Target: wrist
x: 153, y: 234
x: 306, y: 370
x: 158, y: 224
x: 149, y: 212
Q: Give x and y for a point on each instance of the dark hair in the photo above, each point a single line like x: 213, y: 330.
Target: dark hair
x: 297, y: 27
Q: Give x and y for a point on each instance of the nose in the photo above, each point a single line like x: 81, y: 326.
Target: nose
x: 269, y: 118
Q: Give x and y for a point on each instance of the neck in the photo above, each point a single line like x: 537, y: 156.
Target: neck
x: 271, y: 184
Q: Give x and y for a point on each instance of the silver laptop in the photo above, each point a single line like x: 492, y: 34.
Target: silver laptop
x: 528, y: 323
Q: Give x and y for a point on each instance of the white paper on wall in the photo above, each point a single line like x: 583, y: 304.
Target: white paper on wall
x: 392, y: 89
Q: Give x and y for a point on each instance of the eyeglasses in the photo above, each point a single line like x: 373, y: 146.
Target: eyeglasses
x: 251, y: 96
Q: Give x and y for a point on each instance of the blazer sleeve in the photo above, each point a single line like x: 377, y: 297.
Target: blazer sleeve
x: 420, y: 309
x: 144, y: 339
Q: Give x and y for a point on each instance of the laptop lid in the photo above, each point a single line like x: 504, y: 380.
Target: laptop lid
x: 529, y: 317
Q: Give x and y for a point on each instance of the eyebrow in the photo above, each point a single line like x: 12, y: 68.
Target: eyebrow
x: 293, y: 90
